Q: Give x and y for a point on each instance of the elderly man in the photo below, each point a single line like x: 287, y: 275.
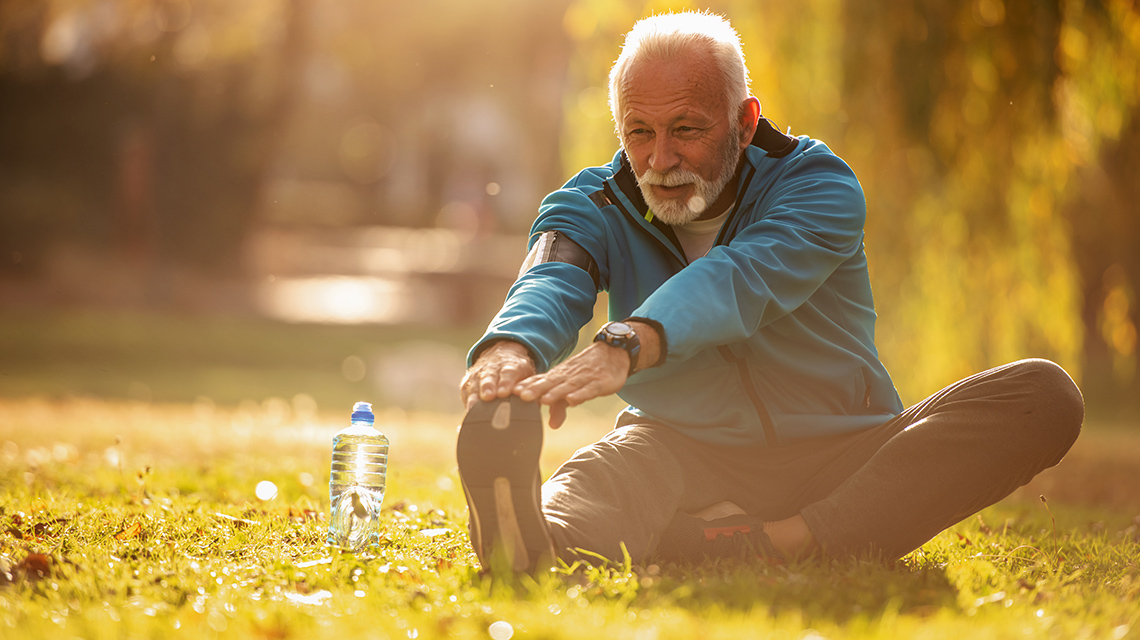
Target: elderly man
x: 761, y: 419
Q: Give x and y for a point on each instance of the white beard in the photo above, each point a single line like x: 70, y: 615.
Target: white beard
x: 674, y: 212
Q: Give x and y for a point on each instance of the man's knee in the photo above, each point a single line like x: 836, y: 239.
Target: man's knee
x: 638, y: 439
x: 1054, y: 399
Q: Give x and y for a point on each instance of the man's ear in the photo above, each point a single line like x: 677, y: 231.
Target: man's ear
x: 749, y: 116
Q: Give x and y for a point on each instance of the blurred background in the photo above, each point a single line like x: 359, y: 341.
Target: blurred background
x: 291, y: 204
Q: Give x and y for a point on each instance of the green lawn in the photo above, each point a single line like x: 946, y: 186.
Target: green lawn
x: 137, y: 520
x: 131, y: 446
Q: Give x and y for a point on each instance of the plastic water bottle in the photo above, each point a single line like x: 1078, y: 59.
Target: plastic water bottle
x: 356, y: 484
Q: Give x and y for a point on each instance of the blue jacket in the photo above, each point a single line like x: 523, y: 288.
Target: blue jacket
x: 768, y: 338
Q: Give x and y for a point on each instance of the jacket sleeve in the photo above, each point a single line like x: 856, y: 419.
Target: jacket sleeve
x: 801, y: 231
x: 550, y: 302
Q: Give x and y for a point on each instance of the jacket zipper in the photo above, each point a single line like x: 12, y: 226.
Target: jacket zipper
x: 621, y: 207
x: 766, y: 423
x: 745, y: 179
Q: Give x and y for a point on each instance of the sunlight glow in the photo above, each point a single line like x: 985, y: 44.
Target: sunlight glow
x: 265, y: 491
x: 335, y: 299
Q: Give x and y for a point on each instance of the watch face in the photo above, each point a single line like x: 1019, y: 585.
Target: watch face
x: 619, y: 329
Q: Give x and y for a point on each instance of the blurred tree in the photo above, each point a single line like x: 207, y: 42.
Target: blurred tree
x: 1101, y: 49
x: 426, y: 105
x: 996, y: 140
x: 142, y: 125
x: 971, y: 126
x: 164, y: 129
x: 956, y: 135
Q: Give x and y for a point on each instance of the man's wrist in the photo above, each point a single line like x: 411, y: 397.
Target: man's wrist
x: 652, y: 343
x: 620, y: 335
x: 502, y: 345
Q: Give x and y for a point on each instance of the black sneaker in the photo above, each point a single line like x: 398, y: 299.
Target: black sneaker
x: 692, y: 539
x: 498, y: 450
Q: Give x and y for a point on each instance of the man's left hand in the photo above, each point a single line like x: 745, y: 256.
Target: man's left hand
x: 598, y: 370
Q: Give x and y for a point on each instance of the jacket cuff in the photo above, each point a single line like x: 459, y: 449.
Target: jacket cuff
x: 489, y: 341
x: 664, y: 342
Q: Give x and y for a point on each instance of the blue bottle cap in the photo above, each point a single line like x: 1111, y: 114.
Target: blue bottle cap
x: 362, y: 412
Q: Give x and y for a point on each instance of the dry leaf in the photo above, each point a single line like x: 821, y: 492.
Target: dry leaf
x: 35, y: 567
x: 129, y: 532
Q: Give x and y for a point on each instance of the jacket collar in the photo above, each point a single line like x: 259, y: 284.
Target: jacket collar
x: 767, y: 137
x: 623, y: 184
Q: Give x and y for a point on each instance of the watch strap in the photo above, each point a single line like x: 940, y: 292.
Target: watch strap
x: 630, y: 342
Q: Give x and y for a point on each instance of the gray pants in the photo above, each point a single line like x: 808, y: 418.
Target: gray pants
x: 885, y: 490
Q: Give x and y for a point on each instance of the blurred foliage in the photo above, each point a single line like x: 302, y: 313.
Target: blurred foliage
x: 972, y: 126
x: 997, y: 142
x: 143, y: 126
x: 163, y: 130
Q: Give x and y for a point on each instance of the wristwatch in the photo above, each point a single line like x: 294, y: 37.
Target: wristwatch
x: 622, y: 336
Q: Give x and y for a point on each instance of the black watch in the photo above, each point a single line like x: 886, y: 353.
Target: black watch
x: 622, y: 336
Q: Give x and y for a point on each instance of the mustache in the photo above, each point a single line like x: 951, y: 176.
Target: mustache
x: 674, y: 178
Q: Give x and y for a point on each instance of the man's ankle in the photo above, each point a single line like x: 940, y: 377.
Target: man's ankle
x: 792, y: 537
x: 691, y: 538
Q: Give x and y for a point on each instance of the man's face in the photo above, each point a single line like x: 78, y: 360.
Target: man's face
x: 676, y: 130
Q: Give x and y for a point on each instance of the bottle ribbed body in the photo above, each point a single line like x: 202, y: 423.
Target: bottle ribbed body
x: 357, y: 481
x: 359, y: 459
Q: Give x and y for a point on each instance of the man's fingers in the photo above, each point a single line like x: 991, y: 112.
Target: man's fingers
x: 488, y: 386
x: 509, y: 378
x: 562, y: 393
x: 469, y: 387
x: 549, y: 390
x: 589, y: 392
x: 557, y: 414
x: 533, y: 387
x: 500, y: 367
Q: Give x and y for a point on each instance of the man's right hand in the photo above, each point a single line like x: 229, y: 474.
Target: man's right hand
x: 496, y: 372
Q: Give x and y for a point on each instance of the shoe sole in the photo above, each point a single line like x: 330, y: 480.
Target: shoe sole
x: 498, y: 452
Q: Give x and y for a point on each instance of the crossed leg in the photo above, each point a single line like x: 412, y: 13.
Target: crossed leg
x: 885, y: 490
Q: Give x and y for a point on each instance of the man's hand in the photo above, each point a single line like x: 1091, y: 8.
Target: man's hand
x: 598, y: 370
x: 495, y: 373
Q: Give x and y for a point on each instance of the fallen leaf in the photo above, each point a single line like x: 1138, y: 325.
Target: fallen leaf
x: 36, y: 566
x: 302, y: 514
x: 129, y: 532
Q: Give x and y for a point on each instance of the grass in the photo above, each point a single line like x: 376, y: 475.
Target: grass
x: 128, y: 519
x: 131, y: 445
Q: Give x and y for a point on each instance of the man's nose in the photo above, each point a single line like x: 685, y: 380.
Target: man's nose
x: 663, y: 157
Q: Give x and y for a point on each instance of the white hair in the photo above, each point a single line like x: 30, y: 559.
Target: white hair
x: 672, y: 35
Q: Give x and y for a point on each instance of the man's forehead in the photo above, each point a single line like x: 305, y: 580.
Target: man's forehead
x: 672, y: 87
x: 689, y: 68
